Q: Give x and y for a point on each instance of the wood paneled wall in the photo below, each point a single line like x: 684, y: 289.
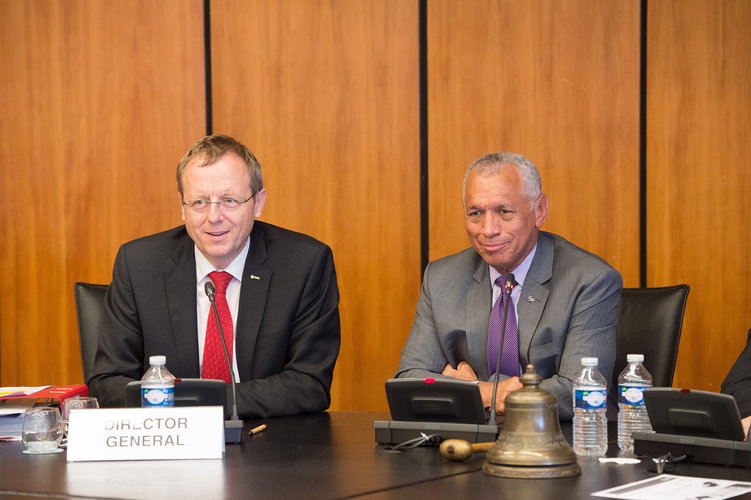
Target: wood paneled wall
x: 698, y: 156
x: 326, y: 94
x: 101, y: 99
x: 555, y: 81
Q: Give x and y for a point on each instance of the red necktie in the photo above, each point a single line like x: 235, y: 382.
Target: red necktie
x: 214, y: 362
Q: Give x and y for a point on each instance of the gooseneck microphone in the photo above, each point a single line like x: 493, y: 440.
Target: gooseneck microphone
x: 508, y: 287
x: 234, y: 426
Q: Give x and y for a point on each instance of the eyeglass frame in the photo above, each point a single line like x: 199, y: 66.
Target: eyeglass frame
x: 191, y: 203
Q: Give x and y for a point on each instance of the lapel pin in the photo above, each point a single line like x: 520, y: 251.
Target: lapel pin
x: 254, y: 277
x: 531, y: 299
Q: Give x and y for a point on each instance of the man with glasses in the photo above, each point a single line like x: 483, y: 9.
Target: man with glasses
x: 276, y: 295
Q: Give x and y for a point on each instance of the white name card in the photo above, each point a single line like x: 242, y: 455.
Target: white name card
x: 146, y: 433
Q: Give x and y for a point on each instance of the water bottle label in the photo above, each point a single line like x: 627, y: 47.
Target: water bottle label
x: 590, y: 399
x: 161, y: 396
x: 631, y: 395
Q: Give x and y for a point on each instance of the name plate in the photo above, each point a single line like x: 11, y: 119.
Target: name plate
x: 146, y: 433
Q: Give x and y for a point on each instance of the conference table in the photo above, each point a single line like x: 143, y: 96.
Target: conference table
x: 326, y: 455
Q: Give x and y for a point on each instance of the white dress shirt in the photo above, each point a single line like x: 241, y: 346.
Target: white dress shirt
x: 203, y: 269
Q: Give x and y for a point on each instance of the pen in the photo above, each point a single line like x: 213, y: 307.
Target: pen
x: 257, y: 430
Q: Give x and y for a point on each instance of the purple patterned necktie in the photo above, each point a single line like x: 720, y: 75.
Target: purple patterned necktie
x: 510, y: 352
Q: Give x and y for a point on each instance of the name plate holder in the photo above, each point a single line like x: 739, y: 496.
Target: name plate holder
x: 182, y: 433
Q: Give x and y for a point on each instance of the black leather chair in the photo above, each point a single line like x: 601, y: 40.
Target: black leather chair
x: 650, y: 321
x: 89, y: 307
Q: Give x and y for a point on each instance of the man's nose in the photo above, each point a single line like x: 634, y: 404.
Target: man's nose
x: 215, y: 212
x: 491, y: 223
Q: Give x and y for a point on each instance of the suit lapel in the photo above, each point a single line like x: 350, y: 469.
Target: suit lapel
x: 534, y: 294
x: 478, y: 312
x: 253, y: 293
x: 180, y: 289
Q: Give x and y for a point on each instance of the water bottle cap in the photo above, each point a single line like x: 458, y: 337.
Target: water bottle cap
x: 158, y: 360
x: 633, y: 358
x: 589, y: 361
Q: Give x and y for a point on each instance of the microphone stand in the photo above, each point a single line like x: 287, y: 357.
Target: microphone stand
x: 508, y: 287
x: 233, y: 428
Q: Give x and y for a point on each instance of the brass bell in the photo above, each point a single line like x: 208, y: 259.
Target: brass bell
x: 531, y: 444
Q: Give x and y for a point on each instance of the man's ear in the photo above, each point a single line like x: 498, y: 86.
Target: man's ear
x: 541, y: 210
x: 182, y: 207
x: 258, y: 202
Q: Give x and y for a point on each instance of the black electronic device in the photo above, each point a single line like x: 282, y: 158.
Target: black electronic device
x: 435, y: 400
x: 188, y: 392
x: 696, y: 449
x: 703, y: 426
x: 446, y: 408
x: 195, y: 392
x: 693, y: 413
x: 388, y: 432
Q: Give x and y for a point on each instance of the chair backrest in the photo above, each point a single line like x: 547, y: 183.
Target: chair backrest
x: 650, y: 321
x: 89, y: 308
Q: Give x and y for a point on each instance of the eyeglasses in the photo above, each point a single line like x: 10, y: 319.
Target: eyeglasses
x: 226, y: 203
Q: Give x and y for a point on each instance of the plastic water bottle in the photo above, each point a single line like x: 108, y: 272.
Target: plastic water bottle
x: 632, y: 414
x: 590, y: 421
x: 158, y: 384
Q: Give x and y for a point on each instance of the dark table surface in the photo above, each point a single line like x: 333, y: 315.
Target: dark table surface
x: 328, y: 455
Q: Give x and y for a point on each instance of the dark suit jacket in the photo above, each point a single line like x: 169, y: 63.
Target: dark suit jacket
x: 567, y: 310
x: 287, y: 334
x: 738, y: 381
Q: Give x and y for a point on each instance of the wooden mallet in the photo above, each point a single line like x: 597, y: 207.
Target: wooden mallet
x: 459, y: 449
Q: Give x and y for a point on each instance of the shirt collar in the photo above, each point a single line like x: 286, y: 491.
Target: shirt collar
x: 520, y: 273
x: 235, y: 268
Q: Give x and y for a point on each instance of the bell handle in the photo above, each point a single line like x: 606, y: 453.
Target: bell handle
x: 459, y: 449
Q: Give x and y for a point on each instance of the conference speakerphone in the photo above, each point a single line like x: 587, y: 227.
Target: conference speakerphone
x: 446, y: 408
x: 704, y: 426
x: 697, y: 449
x: 395, y: 432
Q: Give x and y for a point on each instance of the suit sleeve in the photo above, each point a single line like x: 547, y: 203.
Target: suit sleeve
x: 312, y: 339
x: 738, y: 381
x: 590, y: 332
x: 120, y: 342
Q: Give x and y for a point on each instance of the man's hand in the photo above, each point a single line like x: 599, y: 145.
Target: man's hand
x: 504, y: 388
x: 463, y: 371
x: 746, y: 424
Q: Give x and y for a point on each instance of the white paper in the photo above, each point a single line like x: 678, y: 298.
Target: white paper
x: 677, y: 488
x: 20, y: 391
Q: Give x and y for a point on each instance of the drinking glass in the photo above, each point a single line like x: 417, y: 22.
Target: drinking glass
x: 42, y: 430
x: 75, y: 403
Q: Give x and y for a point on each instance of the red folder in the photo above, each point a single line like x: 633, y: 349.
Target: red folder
x: 59, y: 392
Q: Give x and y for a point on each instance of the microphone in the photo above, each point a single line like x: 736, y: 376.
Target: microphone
x: 233, y: 428
x: 508, y: 287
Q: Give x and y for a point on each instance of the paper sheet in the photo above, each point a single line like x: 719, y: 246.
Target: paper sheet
x: 20, y: 391
x: 677, y: 488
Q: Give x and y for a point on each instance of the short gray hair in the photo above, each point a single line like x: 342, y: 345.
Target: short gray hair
x: 492, y: 163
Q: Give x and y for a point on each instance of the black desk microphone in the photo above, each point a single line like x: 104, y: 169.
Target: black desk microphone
x: 233, y: 428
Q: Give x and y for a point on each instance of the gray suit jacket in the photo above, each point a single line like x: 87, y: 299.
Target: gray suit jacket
x: 287, y: 335
x: 567, y: 310
x: 738, y: 381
